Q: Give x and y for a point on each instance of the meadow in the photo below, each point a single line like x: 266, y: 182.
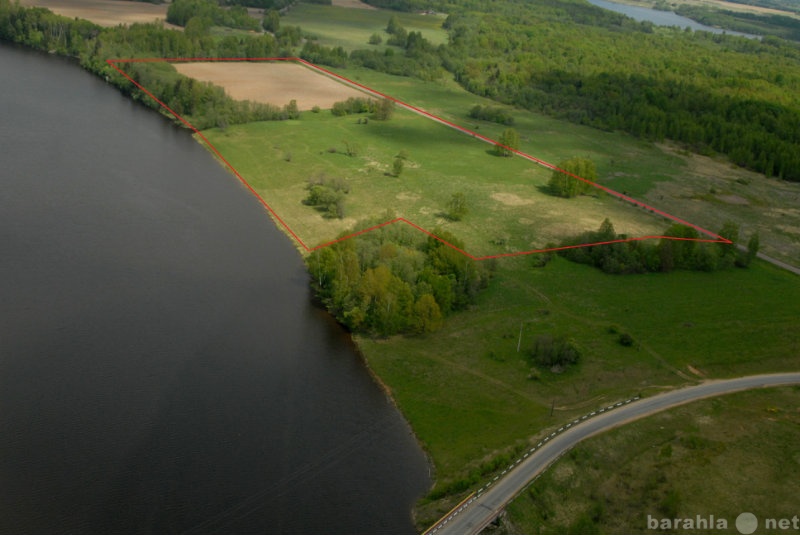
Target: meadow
x: 351, y: 28
x: 471, y: 396
x: 707, y: 191
x: 698, y: 459
x: 470, y: 391
x: 509, y: 209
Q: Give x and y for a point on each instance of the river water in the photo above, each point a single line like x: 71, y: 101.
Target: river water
x: 162, y: 367
x: 662, y: 18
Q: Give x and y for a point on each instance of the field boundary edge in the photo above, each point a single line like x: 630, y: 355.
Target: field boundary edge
x: 712, y: 237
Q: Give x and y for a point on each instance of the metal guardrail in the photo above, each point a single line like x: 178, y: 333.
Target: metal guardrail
x: 466, y: 502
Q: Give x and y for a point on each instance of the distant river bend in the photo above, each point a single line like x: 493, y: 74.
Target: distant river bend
x: 662, y: 18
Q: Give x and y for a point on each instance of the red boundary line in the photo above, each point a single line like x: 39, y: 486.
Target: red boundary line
x: 714, y: 238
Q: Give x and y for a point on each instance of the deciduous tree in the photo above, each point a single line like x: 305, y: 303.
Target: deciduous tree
x: 508, y: 142
x: 563, y: 182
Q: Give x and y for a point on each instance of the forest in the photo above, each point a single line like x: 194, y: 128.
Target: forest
x: 712, y: 93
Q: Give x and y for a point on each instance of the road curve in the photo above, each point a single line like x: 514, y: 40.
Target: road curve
x: 477, y: 512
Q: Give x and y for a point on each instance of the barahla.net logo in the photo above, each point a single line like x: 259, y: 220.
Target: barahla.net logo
x: 746, y: 523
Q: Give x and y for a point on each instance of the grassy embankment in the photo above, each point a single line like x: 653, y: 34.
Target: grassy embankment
x: 466, y: 389
x: 721, y: 457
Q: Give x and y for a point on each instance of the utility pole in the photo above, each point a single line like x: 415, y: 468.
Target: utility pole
x: 519, y: 342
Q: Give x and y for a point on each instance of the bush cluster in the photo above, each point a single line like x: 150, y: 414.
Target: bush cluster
x: 677, y: 250
x: 554, y: 352
x: 494, y: 114
x: 327, y: 195
x: 393, y: 280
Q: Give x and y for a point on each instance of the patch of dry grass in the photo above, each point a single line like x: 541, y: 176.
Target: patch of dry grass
x: 271, y: 82
x: 105, y: 12
x: 710, y: 192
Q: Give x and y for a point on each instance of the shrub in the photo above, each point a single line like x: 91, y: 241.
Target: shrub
x: 457, y: 207
x: 327, y: 195
x: 555, y: 351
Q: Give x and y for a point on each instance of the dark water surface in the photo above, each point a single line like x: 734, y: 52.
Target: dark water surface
x: 162, y: 369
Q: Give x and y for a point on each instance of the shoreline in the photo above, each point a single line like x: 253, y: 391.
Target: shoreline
x: 379, y: 380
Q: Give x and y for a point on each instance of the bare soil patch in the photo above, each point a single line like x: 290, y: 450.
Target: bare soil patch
x: 271, y: 82
x: 733, y: 199
x: 352, y: 3
x: 104, y: 12
x: 509, y: 199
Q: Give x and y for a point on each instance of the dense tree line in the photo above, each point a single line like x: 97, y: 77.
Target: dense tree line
x: 752, y: 23
x: 714, y: 93
x: 678, y: 251
x: 203, y: 104
x: 394, y: 280
x: 40, y: 28
x: 353, y: 105
x: 180, y: 12
x: 270, y: 4
x: 495, y: 114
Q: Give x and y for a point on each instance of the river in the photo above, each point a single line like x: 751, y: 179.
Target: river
x: 662, y: 18
x: 162, y: 366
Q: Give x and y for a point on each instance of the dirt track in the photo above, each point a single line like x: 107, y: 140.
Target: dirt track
x: 271, y: 82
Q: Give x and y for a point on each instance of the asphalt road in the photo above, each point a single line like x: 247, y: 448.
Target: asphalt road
x: 477, y: 512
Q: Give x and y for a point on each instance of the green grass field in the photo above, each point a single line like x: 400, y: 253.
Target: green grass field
x: 351, y: 28
x: 703, y: 190
x: 508, y: 209
x: 699, y: 459
x: 467, y: 392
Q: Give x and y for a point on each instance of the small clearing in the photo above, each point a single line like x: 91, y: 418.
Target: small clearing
x: 271, y: 82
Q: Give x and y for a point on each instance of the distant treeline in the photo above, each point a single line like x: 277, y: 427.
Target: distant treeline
x: 783, y: 5
x: 180, y: 12
x: 201, y: 103
x: 392, y: 280
x: 712, y: 93
x: 680, y: 251
x: 753, y: 23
